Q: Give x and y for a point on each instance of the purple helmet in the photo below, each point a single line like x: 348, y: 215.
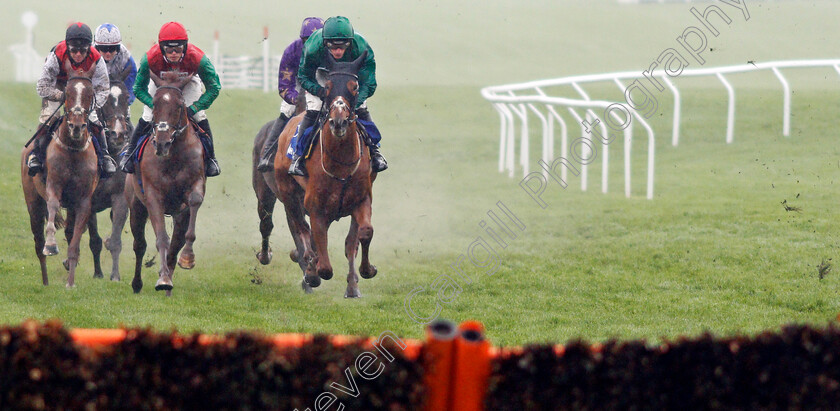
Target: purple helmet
x: 310, y: 24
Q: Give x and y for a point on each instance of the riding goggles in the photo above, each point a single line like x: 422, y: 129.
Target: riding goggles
x: 338, y: 44
x: 74, y: 49
x: 108, y: 49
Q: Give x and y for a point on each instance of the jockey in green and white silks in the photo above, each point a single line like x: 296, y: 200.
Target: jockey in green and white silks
x: 338, y: 39
x: 174, y: 53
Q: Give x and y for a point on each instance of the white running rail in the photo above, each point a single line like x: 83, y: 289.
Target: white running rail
x: 514, y: 101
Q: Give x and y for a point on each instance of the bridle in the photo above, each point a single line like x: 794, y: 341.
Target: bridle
x: 355, y: 163
x: 77, y: 111
x: 163, y: 126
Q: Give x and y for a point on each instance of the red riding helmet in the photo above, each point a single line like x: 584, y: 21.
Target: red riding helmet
x: 172, y: 34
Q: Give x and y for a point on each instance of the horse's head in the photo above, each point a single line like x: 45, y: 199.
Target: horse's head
x: 169, y: 115
x: 78, y: 103
x: 114, y: 113
x: 342, y: 90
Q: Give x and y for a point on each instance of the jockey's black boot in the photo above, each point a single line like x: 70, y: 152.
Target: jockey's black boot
x: 267, y: 158
x: 107, y: 165
x: 377, y: 160
x: 211, y: 169
x: 39, y: 149
x: 127, y: 154
x: 296, y: 168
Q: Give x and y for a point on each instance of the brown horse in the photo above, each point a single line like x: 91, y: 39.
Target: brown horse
x: 338, y: 184
x: 109, y: 193
x: 69, y: 179
x: 168, y: 180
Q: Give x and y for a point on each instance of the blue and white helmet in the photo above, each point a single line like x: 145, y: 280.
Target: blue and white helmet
x: 107, y: 35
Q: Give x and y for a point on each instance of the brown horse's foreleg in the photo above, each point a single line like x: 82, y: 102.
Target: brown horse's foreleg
x: 139, y: 214
x: 194, y: 201
x: 362, y: 216
x: 50, y: 245
x: 95, y: 245
x: 265, y: 210
x: 351, y: 247
x: 69, y: 226
x: 82, y: 217
x: 37, y: 213
x: 119, y: 213
x: 155, y: 208
x: 180, y: 224
x: 303, y: 254
x: 320, y: 226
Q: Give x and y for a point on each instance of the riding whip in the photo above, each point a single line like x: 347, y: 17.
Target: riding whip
x: 44, y: 124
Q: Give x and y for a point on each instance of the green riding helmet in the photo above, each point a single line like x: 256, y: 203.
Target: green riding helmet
x: 338, y: 29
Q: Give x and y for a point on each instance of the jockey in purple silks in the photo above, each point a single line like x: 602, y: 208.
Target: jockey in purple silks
x: 288, y: 88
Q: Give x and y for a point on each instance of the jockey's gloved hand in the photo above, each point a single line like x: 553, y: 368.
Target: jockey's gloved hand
x: 56, y: 95
x: 191, y: 111
x: 322, y: 93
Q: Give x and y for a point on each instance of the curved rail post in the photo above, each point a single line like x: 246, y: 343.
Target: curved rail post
x: 675, y: 135
x: 564, y: 139
x: 730, y: 120
x: 545, y: 130
x: 786, y: 110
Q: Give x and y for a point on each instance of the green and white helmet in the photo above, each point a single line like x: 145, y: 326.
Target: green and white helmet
x: 337, y: 30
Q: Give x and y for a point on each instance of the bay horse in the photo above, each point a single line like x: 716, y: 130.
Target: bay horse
x: 169, y: 180
x: 69, y: 178
x: 109, y: 192
x: 338, y: 184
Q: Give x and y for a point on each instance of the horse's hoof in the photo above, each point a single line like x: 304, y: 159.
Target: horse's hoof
x: 186, y: 262
x: 70, y: 286
x: 294, y: 255
x: 50, y: 250
x: 137, y: 286
x: 306, y: 288
x: 313, y: 281
x: 369, y: 273
x: 325, y: 273
x: 97, y: 275
x: 115, y: 277
x: 264, y: 257
x: 66, y: 265
x: 163, y: 284
x: 352, y: 294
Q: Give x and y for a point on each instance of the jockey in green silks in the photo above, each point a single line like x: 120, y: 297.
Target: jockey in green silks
x: 338, y: 39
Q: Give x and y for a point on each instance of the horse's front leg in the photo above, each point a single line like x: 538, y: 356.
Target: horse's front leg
x: 265, y: 210
x: 154, y: 205
x: 320, y: 226
x: 37, y: 212
x: 139, y: 215
x: 53, y: 205
x: 95, y: 244
x: 179, y: 230
x: 303, y: 254
x: 351, y: 247
x: 82, y: 217
x: 119, y: 214
x: 194, y: 201
x: 362, y: 216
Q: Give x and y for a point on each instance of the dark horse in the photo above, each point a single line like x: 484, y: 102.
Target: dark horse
x: 168, y: 180
x: 338, y: 184
x: 69, y: 179
x: 110, y: 192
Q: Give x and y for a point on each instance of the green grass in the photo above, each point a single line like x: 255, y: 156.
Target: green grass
x: 715, y: 250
